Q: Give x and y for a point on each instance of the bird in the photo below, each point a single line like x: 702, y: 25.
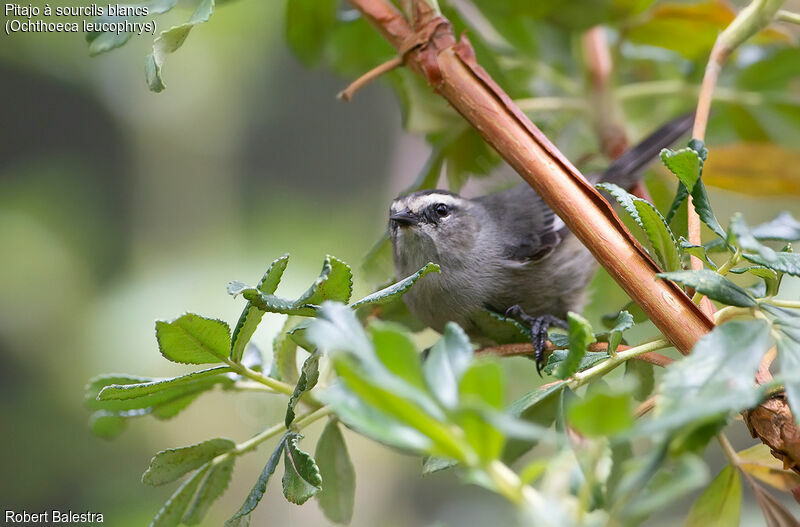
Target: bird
x: 506, y: 252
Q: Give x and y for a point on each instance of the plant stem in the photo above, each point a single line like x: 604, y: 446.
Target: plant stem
x: 581, y: 378
x: 508, y: 485
x: 791, y: 304
x: 301, y: 422
x: 787, y: 16
x: 244, y: 371
x: 728, y: 450
x: 723, y: 270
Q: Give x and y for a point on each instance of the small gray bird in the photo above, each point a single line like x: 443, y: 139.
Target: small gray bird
x: 505, y: 252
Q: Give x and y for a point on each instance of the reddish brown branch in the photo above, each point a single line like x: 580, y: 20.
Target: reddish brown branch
x: 525, y: 349
x: 451, y: 69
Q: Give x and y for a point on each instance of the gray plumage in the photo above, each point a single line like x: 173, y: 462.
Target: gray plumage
x: 503, y: 249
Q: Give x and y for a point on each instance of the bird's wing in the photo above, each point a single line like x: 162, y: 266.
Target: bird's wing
x: 529, y: 228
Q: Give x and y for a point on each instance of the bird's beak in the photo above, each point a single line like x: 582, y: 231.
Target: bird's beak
x: 404, y: 218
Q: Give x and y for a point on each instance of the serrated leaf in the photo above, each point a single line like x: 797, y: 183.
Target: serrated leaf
x: 783, y: 262
x: 301, y: 477
x: 192, y: 339
x: 624, y: 322
x: 251, y: 316
x: 171, y: 513
x: 580, y: 336
x: 101, y: 42
x: 713, y: 285
x: 335, y: 283
x: 207, y: 377
x: 169, y: 465
x: 169, y: 41
x: 308, y: 379
x: 212, y: 487
x: 661, y: 240
x: 757, y: 270
x: 720, y: 504
x: 299, y: 336
x: 715, y: 380
x: 639, y: 316
x: 337, y: 495
x: 446, y: 362
x: 680, y: 196
x: 308, y: 24
x: 703, y: 208
x: 162, y: 404
x: 698, y: 251
x: 397, y: 289
x: 257, y: 492
x: 589, y: 359
x: 685, y: 164
x: 759, y: 462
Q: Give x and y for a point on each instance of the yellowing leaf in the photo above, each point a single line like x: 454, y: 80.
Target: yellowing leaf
x: 690, y: 29
x: 759, y: 463
x: 757, y: 169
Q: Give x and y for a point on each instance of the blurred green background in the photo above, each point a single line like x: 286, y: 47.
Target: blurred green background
x: 119, y: 206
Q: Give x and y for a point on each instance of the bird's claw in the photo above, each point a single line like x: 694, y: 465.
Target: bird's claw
x: 538, y: 326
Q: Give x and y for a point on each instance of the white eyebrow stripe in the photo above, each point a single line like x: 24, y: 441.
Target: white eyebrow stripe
x: 420, y: 203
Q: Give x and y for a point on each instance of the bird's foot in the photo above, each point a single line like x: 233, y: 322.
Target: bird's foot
x: 538, y: 326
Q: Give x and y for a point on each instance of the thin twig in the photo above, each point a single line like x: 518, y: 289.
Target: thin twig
x: 525, y: 349
x: 368, y: 77
x: 788, y: 16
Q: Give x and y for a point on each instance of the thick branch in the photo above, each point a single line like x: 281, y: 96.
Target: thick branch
x: 454, y: 73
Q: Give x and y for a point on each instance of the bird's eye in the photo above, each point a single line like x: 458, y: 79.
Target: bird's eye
x: 442, y: 210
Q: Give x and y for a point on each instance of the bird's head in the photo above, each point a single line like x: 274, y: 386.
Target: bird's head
x: 431, y: 225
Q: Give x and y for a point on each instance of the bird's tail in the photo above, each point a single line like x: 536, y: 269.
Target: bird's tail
x: 628, y: 168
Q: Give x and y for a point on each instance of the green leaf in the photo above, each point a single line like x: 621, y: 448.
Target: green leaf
x: 171, y: 513
x: 713, y: 285
x: 192, y: 339
x: 601, y: 413
x: 482, y: 386
x: 757, y: 270
x: 396, y: 350
x: 106, y: 424
x: 782, y: 228
x: 538, y: 407
x: 788, y: 341
x: 337, y: 495
x: 284, y: 353
x: 446, y: 362
x: 672, y: 481
x: 396, y: 290
x: 589, y: 359
x: 251, y: 502
x: 169, y: 41
x: 132, y: 391
x: 661, y: 240
x: 308, y: 25
x: 685, y: 163
x: 720, y: 504
x: 715, y: 380
x: 639, y: 316
x: 703, y: 208
x: 680, y: 196
x: 251, y: 316
x: 645, y: 378
x: 212, y: 487
x: 580, y: 336
x: 335, y: 282
x: 698, y: 251
x: 162, y: 404
x: 308, y: 379
x: 299, y: 336
x: 169, y: 465
x: 372, y: 423
x: 103, y: 41
x: 301, y: 477
x: 624, y: 322
x: 498, y: 328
